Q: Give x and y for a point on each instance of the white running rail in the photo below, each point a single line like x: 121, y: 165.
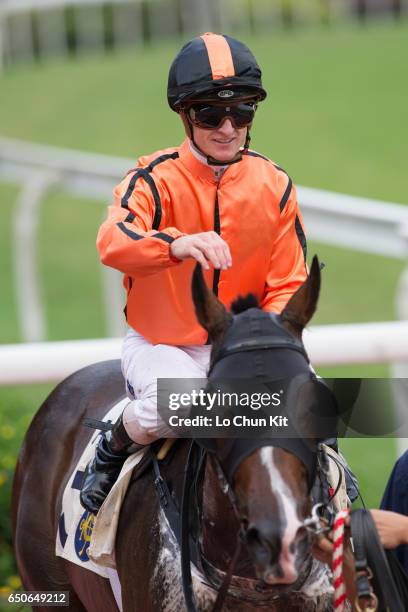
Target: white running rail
x: 41, y: 362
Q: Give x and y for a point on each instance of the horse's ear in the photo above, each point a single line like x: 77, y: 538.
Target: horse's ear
x: 210, y: 312
x: 302, y: 305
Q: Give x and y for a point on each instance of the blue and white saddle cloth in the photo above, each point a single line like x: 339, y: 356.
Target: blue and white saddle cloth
x: 83, y: 538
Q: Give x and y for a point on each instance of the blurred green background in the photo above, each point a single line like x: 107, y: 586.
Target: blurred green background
x: 335, y: 118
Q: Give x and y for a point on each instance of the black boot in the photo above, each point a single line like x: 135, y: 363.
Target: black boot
x: 101, y: 474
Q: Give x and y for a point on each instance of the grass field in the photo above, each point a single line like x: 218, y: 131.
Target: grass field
x: 335, y: 118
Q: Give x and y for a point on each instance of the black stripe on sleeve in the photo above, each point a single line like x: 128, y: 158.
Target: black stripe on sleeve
x: 161, y: 159
x: 279, y: 168
x: 129, y: 232
x: 286, y: 195
x: 254, y: 154
x: 131, y: 217
x: 145, y: 173
x: 301, y: 236
x: 157, y: 202
x: 288, y: 189
x: 129, y: 190
x: 164, y: 237
x: 161, y: 235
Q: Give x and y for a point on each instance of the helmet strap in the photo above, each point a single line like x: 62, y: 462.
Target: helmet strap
x: 247, y: 141
x: 211, y: 161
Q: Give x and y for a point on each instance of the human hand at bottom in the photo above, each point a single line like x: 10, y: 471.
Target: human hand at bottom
x: 391, y: 526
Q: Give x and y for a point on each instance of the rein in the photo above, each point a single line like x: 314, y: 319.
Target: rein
x: 185, y: 536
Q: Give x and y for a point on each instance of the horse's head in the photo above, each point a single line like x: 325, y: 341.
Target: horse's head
x: 270, y: 479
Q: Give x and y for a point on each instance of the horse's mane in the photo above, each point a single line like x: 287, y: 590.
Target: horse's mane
x: 244, y: 303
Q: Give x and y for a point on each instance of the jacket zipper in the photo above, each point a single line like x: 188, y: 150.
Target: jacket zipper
x: 129, y: 288
x: 217, y: 228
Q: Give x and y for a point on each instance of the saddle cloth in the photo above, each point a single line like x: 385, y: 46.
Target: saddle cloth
x: 83, y: 538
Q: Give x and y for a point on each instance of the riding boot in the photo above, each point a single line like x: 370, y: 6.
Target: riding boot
x: 101, y: 474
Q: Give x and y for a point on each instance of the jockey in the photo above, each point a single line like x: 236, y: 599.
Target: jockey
x: 211, y: 200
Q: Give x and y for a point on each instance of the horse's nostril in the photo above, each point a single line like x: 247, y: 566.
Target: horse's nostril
x: 265, y: 546
x: 252, y: 535
x: 256, y: 545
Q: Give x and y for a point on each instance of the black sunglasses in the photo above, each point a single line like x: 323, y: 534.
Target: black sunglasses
x: 210, y: 117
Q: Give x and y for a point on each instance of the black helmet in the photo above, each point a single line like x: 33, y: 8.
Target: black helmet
x: 215, y: 67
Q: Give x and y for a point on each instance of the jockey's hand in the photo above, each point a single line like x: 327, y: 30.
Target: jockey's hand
x: 206, y: 248
x: 392, y: 527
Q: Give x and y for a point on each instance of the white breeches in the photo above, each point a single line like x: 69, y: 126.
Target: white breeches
x: 142, y: 364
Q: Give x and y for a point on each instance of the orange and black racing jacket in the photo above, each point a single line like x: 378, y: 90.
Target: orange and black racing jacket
x: 172, y: 193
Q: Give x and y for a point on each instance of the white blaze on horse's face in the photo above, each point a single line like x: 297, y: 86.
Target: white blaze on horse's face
x: 289, y: 520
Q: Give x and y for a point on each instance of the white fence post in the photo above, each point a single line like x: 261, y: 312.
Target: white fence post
x: 30, y: 307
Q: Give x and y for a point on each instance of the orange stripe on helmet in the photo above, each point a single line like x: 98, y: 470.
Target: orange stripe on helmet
x: 219, y: 55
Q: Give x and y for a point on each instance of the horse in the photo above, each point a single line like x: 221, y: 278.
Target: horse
x: 264, y: 497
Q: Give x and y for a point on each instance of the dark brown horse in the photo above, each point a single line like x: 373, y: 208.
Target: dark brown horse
x: 274, y: 569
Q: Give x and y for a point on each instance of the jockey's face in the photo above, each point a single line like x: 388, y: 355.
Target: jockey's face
x: 221, y: 143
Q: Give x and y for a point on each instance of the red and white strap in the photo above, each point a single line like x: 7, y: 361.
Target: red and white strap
x: 337, y: 562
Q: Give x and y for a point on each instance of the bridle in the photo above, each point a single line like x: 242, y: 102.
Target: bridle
x: 312, y: 524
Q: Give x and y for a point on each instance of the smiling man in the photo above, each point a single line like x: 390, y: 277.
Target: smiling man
x: 212, y: 201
